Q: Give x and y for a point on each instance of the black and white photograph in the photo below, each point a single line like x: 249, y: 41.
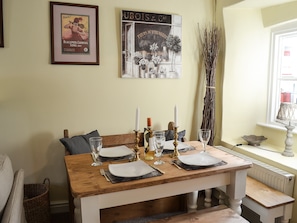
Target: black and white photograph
x: 151, y: 45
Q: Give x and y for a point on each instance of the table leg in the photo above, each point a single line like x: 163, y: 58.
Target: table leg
x: 77, y: 210
x: 90, y: 211
x: 192, y: 201
x: 207, y: 200
x: 235, y: 205
x: 236, y: 189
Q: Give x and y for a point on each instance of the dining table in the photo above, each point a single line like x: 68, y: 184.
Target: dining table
x: 92, y: 192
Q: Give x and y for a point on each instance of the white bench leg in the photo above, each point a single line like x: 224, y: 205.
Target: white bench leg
x: 288, y: 209
x: 192, y: 201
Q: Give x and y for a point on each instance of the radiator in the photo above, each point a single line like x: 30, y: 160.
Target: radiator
x: 271, y: 176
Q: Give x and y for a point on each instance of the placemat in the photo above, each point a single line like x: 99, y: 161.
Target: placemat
x: 127, y: 157
x: 115, y: 179
x: 183, y: 150
x: 191, y: 167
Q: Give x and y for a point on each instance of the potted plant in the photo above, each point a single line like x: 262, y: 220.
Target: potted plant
x: 173, y: 44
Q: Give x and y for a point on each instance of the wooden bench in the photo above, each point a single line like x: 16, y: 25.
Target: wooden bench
x: 267, y: 201
x: 220, y: 214
x: 261, y: 198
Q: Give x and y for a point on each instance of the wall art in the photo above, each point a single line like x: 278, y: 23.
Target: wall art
x: 74, y: 34
x: 150, y: 45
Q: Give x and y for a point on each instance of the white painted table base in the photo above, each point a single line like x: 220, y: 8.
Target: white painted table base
x: 88, y: 209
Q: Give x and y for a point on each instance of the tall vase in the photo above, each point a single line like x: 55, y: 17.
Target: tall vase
x: 165, y: 54
x: 156, y: 70
x: 141, y: 72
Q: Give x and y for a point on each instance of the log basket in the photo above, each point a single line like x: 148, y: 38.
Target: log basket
x: 36, y: 202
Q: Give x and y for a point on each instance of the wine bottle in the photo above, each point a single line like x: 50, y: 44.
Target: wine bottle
x: 149, y: 139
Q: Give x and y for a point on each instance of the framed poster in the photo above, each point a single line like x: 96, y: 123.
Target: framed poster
x: 74, y: 34
x: 151, y: 45
x: 1, y: 25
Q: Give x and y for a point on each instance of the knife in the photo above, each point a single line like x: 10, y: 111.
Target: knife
x: 156, y: 168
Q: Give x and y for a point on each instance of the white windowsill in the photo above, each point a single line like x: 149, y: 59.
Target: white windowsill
x: 277, y: 127
x: 267, y: 154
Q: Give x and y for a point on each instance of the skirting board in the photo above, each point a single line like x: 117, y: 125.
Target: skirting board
x: 59, y: 206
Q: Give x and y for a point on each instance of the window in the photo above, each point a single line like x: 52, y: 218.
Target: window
x: 283, y: 68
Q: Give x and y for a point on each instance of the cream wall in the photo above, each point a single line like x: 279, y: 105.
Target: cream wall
x: 38, y: 100
x: 246, y: 73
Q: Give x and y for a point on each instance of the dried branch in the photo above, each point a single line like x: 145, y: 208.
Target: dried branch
x: 209, y: 40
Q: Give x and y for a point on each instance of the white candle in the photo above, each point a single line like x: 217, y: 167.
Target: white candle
x: 176, y: 116
x: 137, y: 119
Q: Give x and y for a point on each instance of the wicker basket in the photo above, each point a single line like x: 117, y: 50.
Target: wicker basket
x: 36, y: 202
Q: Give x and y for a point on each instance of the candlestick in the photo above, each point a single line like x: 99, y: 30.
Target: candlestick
x: 176, y: 115
x: 137, y: 119
x: 175, y: 153
x: 136, y: 148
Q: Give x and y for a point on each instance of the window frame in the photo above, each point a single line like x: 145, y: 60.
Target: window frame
x: 277, y: 34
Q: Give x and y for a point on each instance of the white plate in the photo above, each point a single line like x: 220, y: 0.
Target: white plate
x: 169, y: 145
x: 199, y: 159
x: 116, y: 151
x: 131, y: 169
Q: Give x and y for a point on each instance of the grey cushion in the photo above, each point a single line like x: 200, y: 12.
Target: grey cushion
x: 79, y: 144
x: 14, y: 210
x: 6, y: 181
x: 169, y: 135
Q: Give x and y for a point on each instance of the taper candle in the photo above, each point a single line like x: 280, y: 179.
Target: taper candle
x: 137, y: 119
x: 149, y: 122
x: 176, y: 116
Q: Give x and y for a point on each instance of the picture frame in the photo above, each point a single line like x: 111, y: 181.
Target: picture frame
x: 1, y: 25
x: 74, y: 34
x: 151, y: 45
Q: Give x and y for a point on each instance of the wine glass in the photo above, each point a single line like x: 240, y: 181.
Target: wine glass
x: 159, y: 140
x: 204, y: 136
x: 96, y: 146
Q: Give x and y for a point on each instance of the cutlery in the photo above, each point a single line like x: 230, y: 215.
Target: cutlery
x: 156, y: 168
x: 103, y: 174
x: 177, y: 166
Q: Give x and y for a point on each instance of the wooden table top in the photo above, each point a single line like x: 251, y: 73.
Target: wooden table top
x: 86, y: 180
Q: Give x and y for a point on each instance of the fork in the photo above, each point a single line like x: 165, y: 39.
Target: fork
x: 103, y: 174
x: 177, y: 166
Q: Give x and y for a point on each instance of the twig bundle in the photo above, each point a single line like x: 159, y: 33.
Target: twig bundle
x: 210, y: 48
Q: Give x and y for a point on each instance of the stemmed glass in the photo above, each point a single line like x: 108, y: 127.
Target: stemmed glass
x: 204, y: 136
x: 96, y: 146
x: 159, y: 139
